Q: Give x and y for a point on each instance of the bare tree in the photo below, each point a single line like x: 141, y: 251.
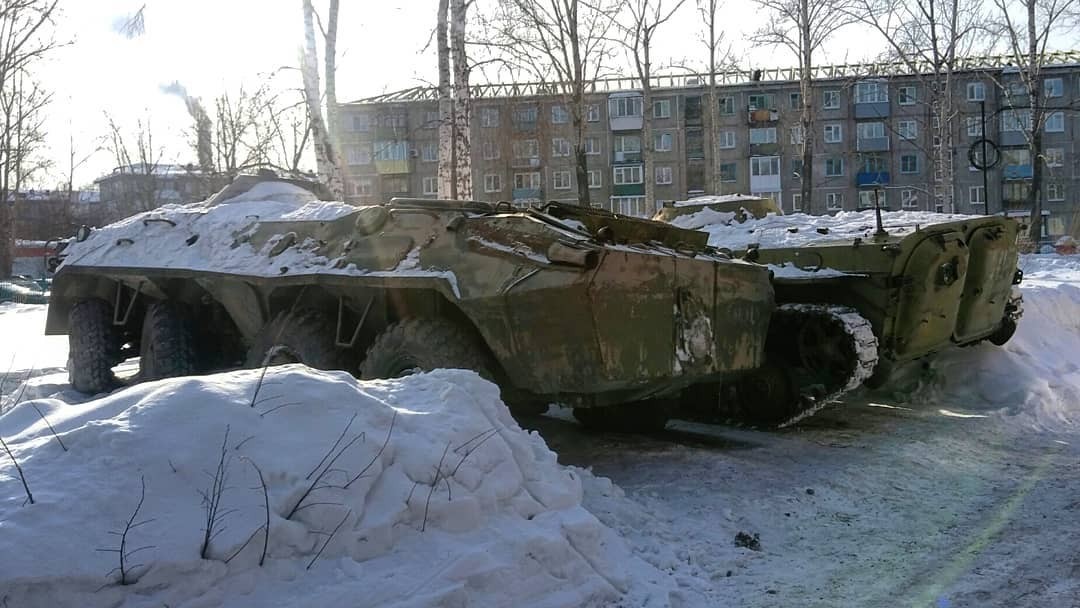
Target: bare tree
x: 462, y: 102
x: 644, y: 18
x: 1026, y: 26
x: 447, y: 181
x: 563, y: 45
x: 288, y: 128
x: 326, y: 154
x: 803, y: 26
x: 713, y: 37
x: 25, y: 38
x: 136, y: 155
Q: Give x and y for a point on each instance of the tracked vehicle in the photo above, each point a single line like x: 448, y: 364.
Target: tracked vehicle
x: 857, y: 297
x: 611, y: 315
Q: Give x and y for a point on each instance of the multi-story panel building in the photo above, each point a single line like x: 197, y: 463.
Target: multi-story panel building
x: 877, y: 141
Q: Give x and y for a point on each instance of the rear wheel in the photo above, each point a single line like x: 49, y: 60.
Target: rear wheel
x: 423, y: 345
x: 640, y: 417
x: 1003, y: 333
x: 167, y: 346
x: 93, y: 346
x: 301, y: 336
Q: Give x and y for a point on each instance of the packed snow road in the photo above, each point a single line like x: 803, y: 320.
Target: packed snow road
x: 957, y: 486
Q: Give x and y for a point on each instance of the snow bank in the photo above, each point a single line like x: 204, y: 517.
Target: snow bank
x: 712, y: 200
x: 798, y: 229
x: 436, y: 495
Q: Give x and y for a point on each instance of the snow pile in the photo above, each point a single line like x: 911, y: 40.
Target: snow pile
x: 799, y: 229
x: 712, y: 200
x: 414, y: 492
x: 1034, y: 380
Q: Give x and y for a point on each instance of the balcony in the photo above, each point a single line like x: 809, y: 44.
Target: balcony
x: 1013, y: 138
x: 764, y: 149
x: 628, y: 190
x: 871, y: 178
x: 526, y: 194
x: 626, y: 157
x: 872, y: 109
x: 755, y: 116
x: 765, y: 183
x: 872, y: 144
x: 391, y: 167
x: 530, y: 162
x: 1017, y: 172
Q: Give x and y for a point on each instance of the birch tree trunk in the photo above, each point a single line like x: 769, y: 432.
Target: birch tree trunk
x: 649, y: 170
x: 333, y: 116
x: 1037, y: 118
x: 462, y: 103
x: 447, y: 182
x: 325, y: 159
x: 806, y: 119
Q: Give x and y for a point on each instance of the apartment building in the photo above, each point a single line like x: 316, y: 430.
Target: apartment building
x: 876, y: 141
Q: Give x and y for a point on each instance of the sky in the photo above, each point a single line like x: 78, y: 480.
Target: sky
x: 210, y: 46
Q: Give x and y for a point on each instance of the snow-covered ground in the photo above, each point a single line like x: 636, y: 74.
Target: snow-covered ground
x: 956, y: 486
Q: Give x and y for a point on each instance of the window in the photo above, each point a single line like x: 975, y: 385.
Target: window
x: 560, y: 180
x: 1016, y: 88
x: 429, y: 152
x: 796, y: 202
x: 592, y: 112
x: 976, y: 195
x: 1016, y: 120
x: 629, y: 205
x: 834, y: 201
x: 620, y: 107
x: 905, y: 96
x: 525, y: 116
x: 663, y: 175
x: 527, y: 181
x: 909, y: 163
x: 1016, y: 191
x: 491, y: 150
x: 489, y: 117
x: 763, y: 136
x: 907, y: 129
x: 627, y: 143
x: 431, y: 185
x: 1055, y: 191
x: 397, y: 185
x: 728, y: 172
x: 796, y: 168
x: 830, y: 100
x: 795, y: 100
x: 661, y: 108
x: 976, y: 91
x: 873, y: 163
x: 559, y: 115
x: 727, y: 140
x: 870, y: 130
x: 492, y: 182
x: 868, y: 197
x: 394, y: 121
x: 1055, y: 122
x: 764, y: 165
x: 628, y: 175
x: 871, y: 92
x: 974, y: 126
x: 592, y: 146
x: 834, y: 133
x: 909, y: 199
x: 364, y: 187
x: 1016, y: 156
x: 596, y: 179
x: 834, y: 166
x: 1054, y: 157
x: 391, y: 150
x: 760, y: 101
x: 727, y: 106
x: 431, y: 119
x: 662, y: 142
x: 560, y: 146
x: 1053, y: 87
x: 797, y: 135
x: 361, y: 122
x: 526, y: 148
x: 359, y: 155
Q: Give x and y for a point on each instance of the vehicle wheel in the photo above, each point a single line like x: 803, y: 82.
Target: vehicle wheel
x: 93, y: 346
x: 768, y: 395
x: 301, y: 336
x: 1003, y: 333
x: 425, y: 344
x: 167, y: 347
x: 642, y: 417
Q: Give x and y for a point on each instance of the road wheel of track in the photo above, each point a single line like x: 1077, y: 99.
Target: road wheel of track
x: 423, y: 345
x: 301, y: 336
x: 167, y: 346
x: 768, y: 396
x: 93, y: 346
x: 642, y: 417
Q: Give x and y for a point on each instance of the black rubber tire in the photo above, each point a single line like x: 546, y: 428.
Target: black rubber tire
x: 301, y: 336
x: 93, y: 346
x: 1003, y: 333
x: 425, y: 344
x: 642, y: 417
x: 167, y: 348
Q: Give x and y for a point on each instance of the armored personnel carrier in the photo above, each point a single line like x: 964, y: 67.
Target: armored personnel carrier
x: 611, y: 315
x: 857, y: 295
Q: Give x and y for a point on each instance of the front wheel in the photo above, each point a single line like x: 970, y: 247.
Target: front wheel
x: 93, y: 346
x: 168, y: 342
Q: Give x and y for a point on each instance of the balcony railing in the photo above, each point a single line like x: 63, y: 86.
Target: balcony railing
x: 390, y: 167
x: 755, y: 115
x: 526, y: 194
x: 872, y: 144
x: 530, y: 162
x: 1017, y: 172
x: 871, y: 178
x: 628, y: 189
x: 626, y: 157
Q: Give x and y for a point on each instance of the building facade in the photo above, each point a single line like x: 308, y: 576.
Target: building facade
x: 876, y: 141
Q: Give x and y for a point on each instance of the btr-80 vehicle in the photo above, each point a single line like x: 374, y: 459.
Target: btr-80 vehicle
x: 616, y: 319
x: 857, y: 296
